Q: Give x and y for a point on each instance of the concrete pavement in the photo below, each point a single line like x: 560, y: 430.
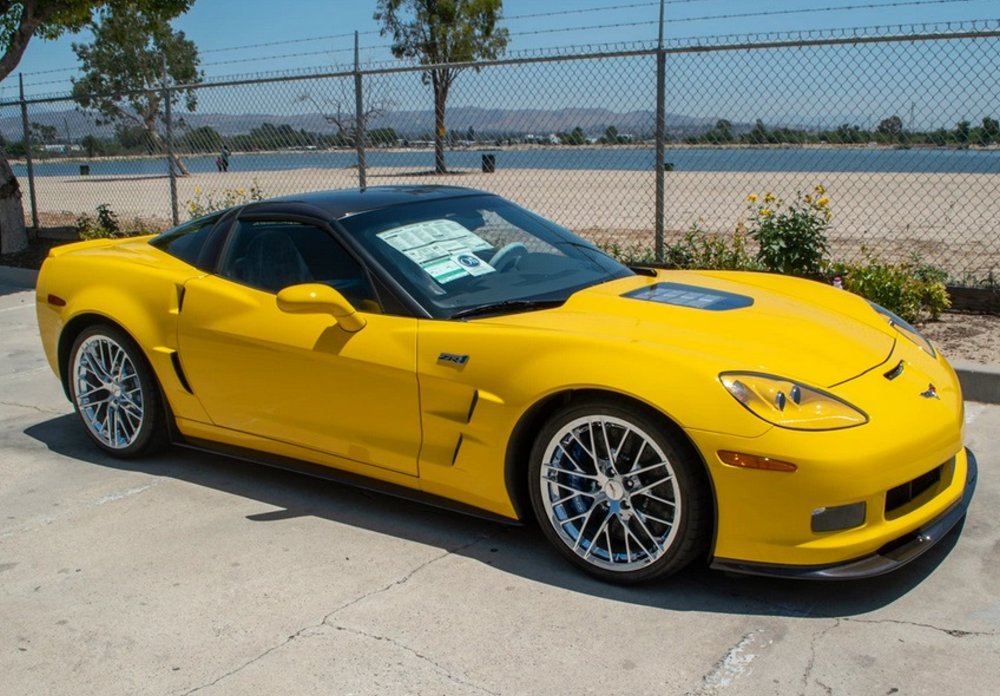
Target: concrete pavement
x: 189, y: 573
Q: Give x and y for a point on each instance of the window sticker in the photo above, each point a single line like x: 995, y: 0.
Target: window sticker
x: 444, y: 249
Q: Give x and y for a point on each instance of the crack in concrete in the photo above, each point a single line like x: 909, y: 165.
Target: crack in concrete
x: 416, y: 653
x: 953, y: 632
x: 811, y: 663
x: 325, y: 620
x: 31, y: 407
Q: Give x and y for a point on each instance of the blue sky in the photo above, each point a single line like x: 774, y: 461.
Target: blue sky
x: 320, y: 29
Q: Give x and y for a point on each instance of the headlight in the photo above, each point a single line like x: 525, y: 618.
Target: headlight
x: 789, y: 404
x: 904, y: 327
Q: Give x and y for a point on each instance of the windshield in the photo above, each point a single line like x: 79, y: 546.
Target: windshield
x: 480, y: 252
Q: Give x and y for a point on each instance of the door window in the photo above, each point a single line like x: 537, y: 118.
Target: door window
x: 270, y: 255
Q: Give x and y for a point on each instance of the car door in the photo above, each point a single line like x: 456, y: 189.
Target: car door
x: 300, y: 378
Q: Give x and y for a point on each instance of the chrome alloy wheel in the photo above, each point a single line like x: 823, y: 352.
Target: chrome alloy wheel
x: 107, y: 391
x: 610, y: 493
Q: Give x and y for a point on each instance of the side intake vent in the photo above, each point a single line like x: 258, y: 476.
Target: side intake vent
x: 176, y: 362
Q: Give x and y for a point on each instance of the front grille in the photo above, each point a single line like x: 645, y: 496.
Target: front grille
x: 899, y: 496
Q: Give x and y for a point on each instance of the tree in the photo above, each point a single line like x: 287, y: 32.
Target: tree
x: 123, y: 69
x: 574, y: 137
x: 439, y: 33
x: 891, y: 129
x: 962, y: 129
x: 45, y: 19
x: 203, y: 139
x: 758, y: 135
x: 989, y: 131
x: 346, y: 121
x: 43, y: 134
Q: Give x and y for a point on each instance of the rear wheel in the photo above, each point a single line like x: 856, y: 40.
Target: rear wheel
x: 114, y: 393
x: 618, y: 493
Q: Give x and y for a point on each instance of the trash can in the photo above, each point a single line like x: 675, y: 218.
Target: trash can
x: 489, y: 164
x: 668, y: 166
x: 84, y: 170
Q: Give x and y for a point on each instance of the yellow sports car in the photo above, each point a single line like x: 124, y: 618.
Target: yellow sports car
x: 446, y: 344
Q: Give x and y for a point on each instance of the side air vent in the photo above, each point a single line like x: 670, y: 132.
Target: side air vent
x: 176, y: 362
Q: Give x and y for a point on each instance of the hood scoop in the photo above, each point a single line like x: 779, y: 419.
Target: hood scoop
x: 682, y: 295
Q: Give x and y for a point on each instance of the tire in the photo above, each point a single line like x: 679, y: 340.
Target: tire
x: 115, y: 394
x: 618, y: 493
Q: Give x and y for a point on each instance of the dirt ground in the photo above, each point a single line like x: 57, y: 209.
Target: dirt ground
x: 970, y: 337
x: 959, y: 335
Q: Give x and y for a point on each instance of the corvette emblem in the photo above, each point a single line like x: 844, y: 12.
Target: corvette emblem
x: 931, y: 392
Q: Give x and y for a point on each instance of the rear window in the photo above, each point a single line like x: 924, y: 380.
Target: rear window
x: 185, y: 242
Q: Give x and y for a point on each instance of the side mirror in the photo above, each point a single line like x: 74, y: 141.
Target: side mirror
x: 315, y: 298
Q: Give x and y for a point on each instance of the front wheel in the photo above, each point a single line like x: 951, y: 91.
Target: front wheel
x: 618, y: 493
x: 114, y: 393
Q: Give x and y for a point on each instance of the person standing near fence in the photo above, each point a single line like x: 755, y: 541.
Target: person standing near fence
x: 223, y: 161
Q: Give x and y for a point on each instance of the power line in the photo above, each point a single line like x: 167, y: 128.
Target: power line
x: 743, y: 15
x: 813, y: 10
x: 289, y: 41
x: 603, y: 8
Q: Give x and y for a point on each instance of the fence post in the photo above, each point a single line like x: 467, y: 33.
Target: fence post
x: 661, y: 71
x: 168, y: 122
x: 27, y: 155
x: 359, y: 117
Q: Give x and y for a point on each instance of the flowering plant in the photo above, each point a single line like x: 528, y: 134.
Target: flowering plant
x: 204, y: 203
x: 791, y: 236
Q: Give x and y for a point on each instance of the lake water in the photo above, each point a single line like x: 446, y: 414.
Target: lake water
x: 631, y: 159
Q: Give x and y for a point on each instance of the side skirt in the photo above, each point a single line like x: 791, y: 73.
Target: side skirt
x: 335, y: 475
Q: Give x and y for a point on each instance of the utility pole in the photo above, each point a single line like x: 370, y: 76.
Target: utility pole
x: 359, y: 117
x: 661, y: 70
x: 27, y: 154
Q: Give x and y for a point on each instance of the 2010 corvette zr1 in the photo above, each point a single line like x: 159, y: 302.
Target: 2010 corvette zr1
x: 445, y: 343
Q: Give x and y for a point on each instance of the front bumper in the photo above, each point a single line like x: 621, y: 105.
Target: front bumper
x: 888, y: 558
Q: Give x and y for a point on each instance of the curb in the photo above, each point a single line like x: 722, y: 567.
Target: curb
x: 979, y: 382
x: 24, y: 278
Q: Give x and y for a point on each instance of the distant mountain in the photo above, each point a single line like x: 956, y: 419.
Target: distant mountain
x: 72, y: 124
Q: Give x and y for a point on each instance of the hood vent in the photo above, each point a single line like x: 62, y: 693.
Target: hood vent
x: 681, y: 295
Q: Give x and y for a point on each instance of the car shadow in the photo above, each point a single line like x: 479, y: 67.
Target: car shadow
x: 521, y: 551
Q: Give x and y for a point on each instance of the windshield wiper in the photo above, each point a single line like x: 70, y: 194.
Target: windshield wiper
x: 506, y: 307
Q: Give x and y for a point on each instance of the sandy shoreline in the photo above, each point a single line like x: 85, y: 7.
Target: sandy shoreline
x: 949, y: 219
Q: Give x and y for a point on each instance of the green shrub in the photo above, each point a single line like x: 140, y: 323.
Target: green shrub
x: 913, y: 289
x: 698, y: 249
x: 711, y: 251
x: 791, y: 237
x: 630, y: 255
x: 105, y: 226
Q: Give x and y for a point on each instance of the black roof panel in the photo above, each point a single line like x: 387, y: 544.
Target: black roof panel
x: 342, y: 203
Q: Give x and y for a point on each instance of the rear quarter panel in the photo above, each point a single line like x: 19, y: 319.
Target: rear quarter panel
x: 128, y: 283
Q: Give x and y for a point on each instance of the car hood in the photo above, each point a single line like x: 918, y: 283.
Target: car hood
x: 746, y: 321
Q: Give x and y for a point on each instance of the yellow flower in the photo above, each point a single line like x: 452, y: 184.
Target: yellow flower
x: 766, y: 212
x: 241, y: 191
x: 823, y: 202
x: 768, y: 197
x: 752, y: 198
x: 808, y: 199
x: 197, y: 190
x: 820, y: 189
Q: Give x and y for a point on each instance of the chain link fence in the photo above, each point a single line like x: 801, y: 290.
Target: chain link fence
x: 899, y: 125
